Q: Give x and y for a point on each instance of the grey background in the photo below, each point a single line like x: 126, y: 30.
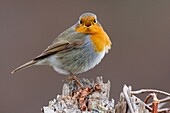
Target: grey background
x: 140, y: 54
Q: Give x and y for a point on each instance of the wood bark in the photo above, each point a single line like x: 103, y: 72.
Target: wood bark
x: 93, y: 97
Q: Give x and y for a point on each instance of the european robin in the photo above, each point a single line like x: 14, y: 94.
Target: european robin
x: 77, y: 49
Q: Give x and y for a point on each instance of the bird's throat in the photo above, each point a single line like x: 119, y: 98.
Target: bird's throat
x: 100, y: 41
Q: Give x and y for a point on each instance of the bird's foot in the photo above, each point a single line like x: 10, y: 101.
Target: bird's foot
x: 73, y: 77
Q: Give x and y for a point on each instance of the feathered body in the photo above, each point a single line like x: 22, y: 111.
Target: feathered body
x: 77, y: 49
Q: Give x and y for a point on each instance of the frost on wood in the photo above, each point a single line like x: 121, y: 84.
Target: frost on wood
x: 93, y: 97
x: 129, y: 103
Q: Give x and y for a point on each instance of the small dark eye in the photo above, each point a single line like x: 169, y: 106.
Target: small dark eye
x: 94, y: 21
x: 81, y: 21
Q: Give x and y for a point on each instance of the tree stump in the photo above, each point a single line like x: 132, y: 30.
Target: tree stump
x: 93, y: 97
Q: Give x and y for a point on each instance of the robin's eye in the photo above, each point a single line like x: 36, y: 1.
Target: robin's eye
x: 81, y: 21
x: 94, y: 20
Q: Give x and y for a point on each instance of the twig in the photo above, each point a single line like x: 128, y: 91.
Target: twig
x: 125, y: 90
x: 164, y: 110
x: 161, y: 100
x: 149, y: 91
x: 147, y: 106
x: 147, y: 98
x: 155, y: 103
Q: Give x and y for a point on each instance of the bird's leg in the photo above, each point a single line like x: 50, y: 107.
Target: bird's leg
x: 73, y: 77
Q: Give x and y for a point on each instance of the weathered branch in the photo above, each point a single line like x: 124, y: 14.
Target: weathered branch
x: 93, y: 97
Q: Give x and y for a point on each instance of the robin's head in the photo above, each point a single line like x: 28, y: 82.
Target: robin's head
x: 88, y: 24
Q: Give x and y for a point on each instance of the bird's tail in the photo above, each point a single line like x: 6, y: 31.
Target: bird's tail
x: 26, y: 65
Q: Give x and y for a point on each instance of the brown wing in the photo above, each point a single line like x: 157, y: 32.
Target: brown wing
x: 55, y: 48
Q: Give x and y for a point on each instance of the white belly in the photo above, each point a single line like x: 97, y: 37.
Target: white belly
x: 66, y: 69
x: 77, y: 60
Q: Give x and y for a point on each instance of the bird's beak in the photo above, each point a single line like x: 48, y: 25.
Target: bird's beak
x: 88, y: 23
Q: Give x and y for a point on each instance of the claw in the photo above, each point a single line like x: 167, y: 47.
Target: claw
x: 73, y: 77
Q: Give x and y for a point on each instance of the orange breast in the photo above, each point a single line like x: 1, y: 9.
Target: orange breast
x: 101, y: 41
x: 98, y: 36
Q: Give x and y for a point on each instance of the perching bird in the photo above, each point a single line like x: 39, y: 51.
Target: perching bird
x: 76, y: 50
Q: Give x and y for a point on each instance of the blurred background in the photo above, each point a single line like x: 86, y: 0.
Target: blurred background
x: 140, y: 54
